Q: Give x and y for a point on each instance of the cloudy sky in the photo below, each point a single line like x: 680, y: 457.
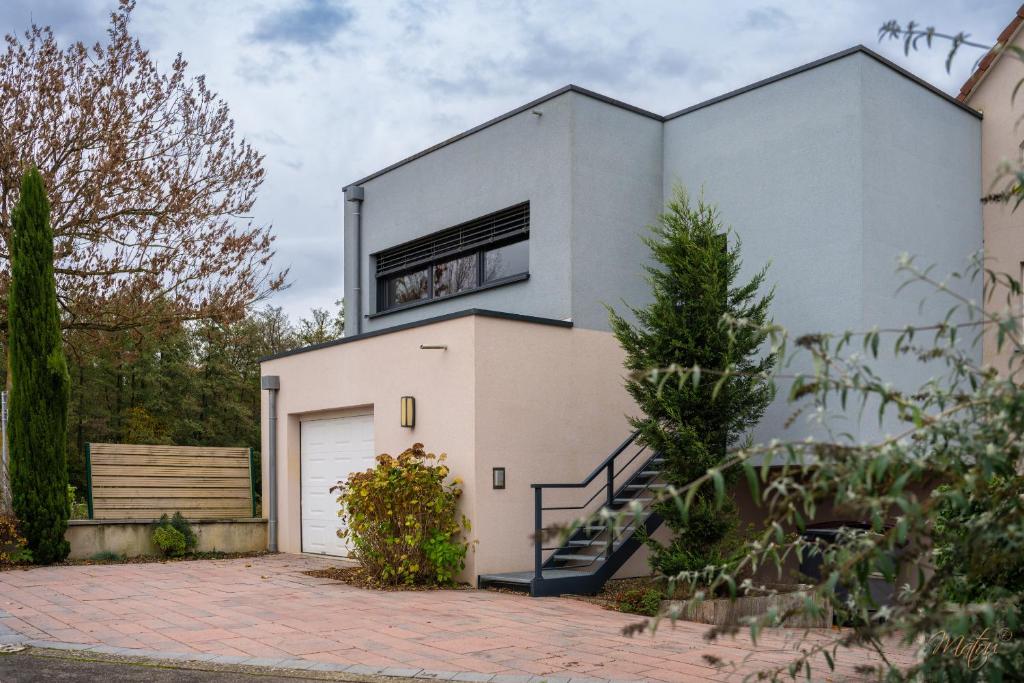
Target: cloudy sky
x: 331, y: 90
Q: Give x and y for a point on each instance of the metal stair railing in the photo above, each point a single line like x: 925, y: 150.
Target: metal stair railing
x: 611, y: 472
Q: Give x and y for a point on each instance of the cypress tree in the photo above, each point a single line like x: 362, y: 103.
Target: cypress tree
x: 693, y: 283
x: 39, y: 379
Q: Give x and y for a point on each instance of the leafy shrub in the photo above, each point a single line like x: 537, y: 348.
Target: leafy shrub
x: 169, y: 540
x: 954, y: 552
x: 13, y: 548
x: 977, y: 570
x: 181, y: 525
x: 646, y: 601
x: 76, y: 509
x: 401, y: 519
x: 446, y: 555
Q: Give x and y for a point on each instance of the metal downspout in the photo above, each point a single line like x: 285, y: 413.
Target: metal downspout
x: 354, y: 194
x: 271, y: 383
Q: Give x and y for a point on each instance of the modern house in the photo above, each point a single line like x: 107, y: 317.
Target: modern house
x: 989, y: 90
x: 476, y: 274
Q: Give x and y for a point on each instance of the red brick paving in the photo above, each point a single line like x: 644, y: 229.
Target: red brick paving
x: 265, y: 607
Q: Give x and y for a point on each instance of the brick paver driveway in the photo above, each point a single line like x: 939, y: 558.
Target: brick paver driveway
x: 266, y: 611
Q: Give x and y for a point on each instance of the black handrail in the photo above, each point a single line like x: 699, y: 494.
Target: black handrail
x: 608, y: 467
x: 593, y: 475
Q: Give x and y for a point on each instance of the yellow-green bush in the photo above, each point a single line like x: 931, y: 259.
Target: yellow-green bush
x: 401, y: 519
x: 169, y: 540
x: 13, y: 548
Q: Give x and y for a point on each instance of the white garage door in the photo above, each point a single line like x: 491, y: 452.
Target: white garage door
x: 329, y: 451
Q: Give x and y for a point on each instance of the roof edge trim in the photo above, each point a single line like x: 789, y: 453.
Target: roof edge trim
x: 820, y: 62
x: 481, y: 312
x: 657, y: 117
x: 507, y: 115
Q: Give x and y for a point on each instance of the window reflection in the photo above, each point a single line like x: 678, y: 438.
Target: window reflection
x: 456, y: 275
x: 503, y: 262
x: 409, y: 287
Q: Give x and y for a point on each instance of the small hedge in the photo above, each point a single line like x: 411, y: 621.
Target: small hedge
x: 169, y: 540
x: 174, y: 536
x: 401, y: 519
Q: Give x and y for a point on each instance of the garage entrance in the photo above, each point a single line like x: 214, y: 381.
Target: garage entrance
x: 329, y: 450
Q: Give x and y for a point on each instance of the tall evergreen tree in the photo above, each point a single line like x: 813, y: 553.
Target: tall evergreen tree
x: 39, y: 379
x: 693, y: 283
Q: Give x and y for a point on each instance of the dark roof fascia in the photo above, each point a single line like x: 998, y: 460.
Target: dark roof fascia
x: 819, y: 62
x: 481, y: 312
x: 519, y: 110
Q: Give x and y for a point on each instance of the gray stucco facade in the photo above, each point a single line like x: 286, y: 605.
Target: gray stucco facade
x: 827, y: 173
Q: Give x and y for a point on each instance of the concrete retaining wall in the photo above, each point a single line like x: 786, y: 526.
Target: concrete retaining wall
x: 131, y: 538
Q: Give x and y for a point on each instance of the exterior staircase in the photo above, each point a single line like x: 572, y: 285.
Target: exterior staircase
x: 595, y: 551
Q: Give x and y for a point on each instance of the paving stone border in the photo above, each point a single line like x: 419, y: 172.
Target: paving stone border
x: 296, y: 664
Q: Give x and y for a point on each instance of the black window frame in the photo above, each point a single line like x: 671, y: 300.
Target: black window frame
x: 479, y: 248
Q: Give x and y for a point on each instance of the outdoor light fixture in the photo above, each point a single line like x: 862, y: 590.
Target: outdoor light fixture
x: 408, y: 411
x: 498, y: 478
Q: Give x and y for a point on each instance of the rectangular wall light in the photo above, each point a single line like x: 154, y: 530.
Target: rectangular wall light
x: 408, y: 411
x: 498, y: 478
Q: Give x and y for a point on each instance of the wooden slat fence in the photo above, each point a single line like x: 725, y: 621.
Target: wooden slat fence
x: 129, y: 481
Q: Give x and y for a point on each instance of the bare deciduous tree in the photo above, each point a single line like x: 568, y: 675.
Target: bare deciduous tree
x: 149, y: 182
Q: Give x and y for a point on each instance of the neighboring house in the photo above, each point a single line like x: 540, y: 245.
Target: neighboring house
x: 476, y: 274
x: 989, y: 90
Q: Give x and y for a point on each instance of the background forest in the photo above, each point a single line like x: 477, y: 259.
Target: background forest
x: 184, y: 383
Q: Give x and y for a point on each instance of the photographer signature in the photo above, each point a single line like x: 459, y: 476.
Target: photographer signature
x: 975, y: 651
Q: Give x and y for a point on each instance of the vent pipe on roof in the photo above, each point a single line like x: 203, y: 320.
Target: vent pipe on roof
x: 271, y: 383
x: 354, y: 194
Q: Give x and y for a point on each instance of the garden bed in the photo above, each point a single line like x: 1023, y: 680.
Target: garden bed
x: 357, y: 576
x: 645, y: 596
x: 729, y: 612
x: 625, y: 595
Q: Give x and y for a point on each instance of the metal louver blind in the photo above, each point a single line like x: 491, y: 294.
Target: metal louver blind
x: 493, y: 227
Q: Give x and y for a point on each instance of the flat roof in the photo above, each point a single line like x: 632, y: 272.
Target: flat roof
x: 700, y: 105
x: 482, y: 312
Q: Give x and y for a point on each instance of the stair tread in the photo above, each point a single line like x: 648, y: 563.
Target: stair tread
x: 571, y: 557
x: 586, y: 543
x: 621, y: 529
x: 527, y: 576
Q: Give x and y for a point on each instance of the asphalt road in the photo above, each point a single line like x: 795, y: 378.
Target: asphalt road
x: 26, y: 667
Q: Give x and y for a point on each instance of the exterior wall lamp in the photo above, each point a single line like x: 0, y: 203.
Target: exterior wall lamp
x: 498, y: 478
x: 408, y: 412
